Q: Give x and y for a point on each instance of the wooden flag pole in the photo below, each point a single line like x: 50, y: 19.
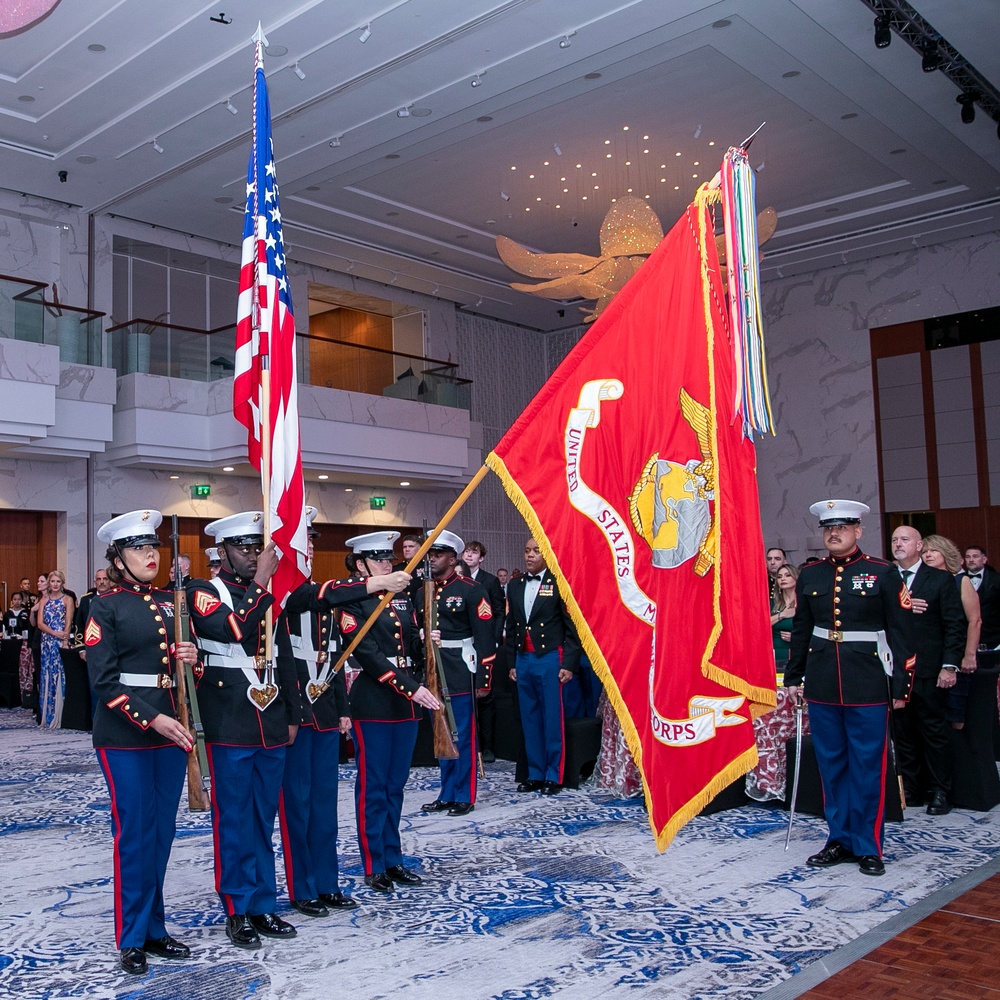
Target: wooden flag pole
x: 413, y: 563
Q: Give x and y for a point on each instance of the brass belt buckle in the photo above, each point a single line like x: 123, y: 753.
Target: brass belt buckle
x: 164, y: 681
x: 836, y: 635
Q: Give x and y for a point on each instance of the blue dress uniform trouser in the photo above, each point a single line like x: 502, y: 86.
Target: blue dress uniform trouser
x: 385, y: 750
x: 145, y: 787
x: 246, y: 785
x: 458, y: 775
x: 307, y: 813
x: 851, y: 748
x: 540, y: 695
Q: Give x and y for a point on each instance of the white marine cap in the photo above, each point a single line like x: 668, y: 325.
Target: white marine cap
x: 137, y: 527
x: 832, y: 512
x: 374, y: 545
x: 311, y: 513
x: 213, y: 554
x: 238, y: 528
x: 448, y: 540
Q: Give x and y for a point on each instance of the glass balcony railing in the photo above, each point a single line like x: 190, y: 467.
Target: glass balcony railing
x: 27, y: 315
x: 158, y: 348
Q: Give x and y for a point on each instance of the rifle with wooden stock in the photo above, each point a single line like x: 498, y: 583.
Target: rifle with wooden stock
x: 197, y: 763
x: 443, y: 720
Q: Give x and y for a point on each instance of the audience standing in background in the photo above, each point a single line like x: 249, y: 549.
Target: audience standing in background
x: 55, y: 617
x: 986, y: 582
x: 783, y: 606
x: 775, y: 559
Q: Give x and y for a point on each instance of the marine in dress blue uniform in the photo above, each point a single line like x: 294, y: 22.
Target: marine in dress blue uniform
x: 387, y: 702
x: 464, y: 619
x: 141, y: 746
x: 540, y: 629
x: 849, y: 635
x: 307, y: 810
x: 249, y: 717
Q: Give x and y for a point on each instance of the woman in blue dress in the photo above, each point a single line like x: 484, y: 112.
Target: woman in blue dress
x: 55, y: 616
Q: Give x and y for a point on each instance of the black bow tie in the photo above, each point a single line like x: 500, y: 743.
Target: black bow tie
x: 975, y: 576
x: 528, y: 579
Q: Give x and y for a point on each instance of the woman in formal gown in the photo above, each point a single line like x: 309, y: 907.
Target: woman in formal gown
x: 55, y: 618
x: 783, y: 611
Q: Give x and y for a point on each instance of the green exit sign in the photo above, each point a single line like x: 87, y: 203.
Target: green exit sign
x: 376, y: 503
x: 200, y: 491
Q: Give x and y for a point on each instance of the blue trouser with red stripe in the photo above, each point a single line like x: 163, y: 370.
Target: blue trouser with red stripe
x: 246, y: 785
x: 145, y: 787
x: 385, y: 750
x: 851, y: 747
x: 458, y: 775
x: 540, y: 695
x: 307, y: 813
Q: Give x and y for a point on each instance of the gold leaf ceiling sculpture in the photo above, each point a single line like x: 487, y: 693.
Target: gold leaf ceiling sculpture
x: 629, y: 234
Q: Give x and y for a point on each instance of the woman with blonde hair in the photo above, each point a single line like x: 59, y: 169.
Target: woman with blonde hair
x: 55, y: 619
x: 783, y: 610
x: 942, y: 553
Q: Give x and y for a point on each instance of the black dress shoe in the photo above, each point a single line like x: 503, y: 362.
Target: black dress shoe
x: 871, y: 864
x: 403, y: 876
x: 337, y: 900
x: 133, y: 961
x: 550, y: 788
x: 939, y: 805
x: 489, y: 757
x: 832, y: 854
x: 461, y: 809
x: 241, y: 932
x: 311, y: 907
x: 166, y: 947
x: 379, y: 881
x: 436, y: 806
x: 531, y: 785
x: 271, y: 925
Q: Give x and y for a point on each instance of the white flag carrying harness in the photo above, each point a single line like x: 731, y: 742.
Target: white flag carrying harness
x: 232, y: 655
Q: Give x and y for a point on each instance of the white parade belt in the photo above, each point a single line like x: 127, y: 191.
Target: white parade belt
x: 319, y: 680
x: 148, y: 680
x: 221, y: 654
x: 468, y: 648
x: 879, y: 638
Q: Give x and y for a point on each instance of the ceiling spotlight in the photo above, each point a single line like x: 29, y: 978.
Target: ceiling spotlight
x: 504, y: 196
x: 437, y: 289
x: 298, y: 71
x: 564, y: 42
x: 324, y: 477
x: 395, y: 278
x: 932, y: 58
x: 366, y: 34
x: 968, y: 102
x: 335, y: 141
x: 231, y: 108
x: 883, y: 31
x: 403, y: 112
x: 477, y: 80
x: 555, y: 146
x: 479, y: 302
x: 157, y: 146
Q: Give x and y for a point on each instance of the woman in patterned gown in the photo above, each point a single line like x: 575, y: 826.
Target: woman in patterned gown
x: 55, y: 615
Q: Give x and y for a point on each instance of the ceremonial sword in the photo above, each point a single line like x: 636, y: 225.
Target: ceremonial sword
x: 798, y: 765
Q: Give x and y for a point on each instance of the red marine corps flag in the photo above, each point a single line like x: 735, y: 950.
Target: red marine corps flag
x: 637, y: 478
x: 265, y: 386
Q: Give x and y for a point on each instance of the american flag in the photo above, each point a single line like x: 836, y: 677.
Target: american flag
x: 265, y: 340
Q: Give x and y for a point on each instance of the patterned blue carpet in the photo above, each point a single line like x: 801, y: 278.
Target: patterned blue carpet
x: 526, y: 898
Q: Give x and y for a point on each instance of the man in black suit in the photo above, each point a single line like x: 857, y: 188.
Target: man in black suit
x: 986, y: 580
x: 540, y: 629
x: 473, y: 557
x: 938, y: 638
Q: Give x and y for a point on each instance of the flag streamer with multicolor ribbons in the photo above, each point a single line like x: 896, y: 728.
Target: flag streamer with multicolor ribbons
x: 265, y: 384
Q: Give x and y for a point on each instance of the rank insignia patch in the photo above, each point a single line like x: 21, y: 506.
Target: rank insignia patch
x: 904, y: 598
x: 484, y: 611
x: 348, y: 623
x: 93, y: 634
x: 205, y: 603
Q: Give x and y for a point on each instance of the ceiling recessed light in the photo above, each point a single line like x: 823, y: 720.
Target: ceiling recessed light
x: 722, y: 23
x: 591, y: 76
x: 224, y: 200
x: 86, y: 158
x: 276, y: 50
x: 228, y: 468
x: 391, y: 215
x: 940, y: 180
x: 392, y: 156
x: 485, y: 118
x: 26, y: 99
x: 175, y: 477
x: 790, y: 75
x: 849, y: 116
x: 420, y: 112
x: 405, y: 482
x: 323, y: 477
x: 348, y: 489
x: 96, y: 47
x: 896, y: 152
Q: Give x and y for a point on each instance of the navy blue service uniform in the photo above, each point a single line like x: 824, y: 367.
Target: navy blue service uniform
x: 546, y: 642
x: 308, y: 805
x: 128, y: 637
x: 468, y: 648
x: 845, y: 685
x: 385, y: 721
x: 246, y: 744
